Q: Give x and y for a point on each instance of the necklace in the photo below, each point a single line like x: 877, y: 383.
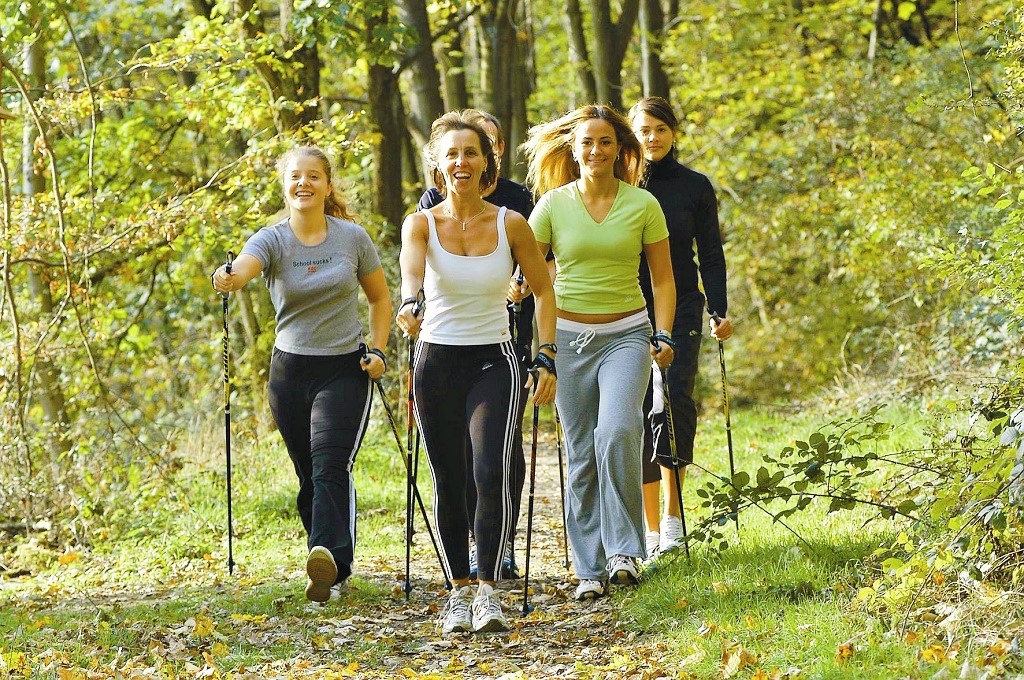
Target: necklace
x: 466, y: 221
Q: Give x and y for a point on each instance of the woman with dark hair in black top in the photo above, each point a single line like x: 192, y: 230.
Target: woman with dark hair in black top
x: 691, y: 211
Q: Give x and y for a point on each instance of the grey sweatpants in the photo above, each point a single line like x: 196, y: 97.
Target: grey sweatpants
x: 600, y: 392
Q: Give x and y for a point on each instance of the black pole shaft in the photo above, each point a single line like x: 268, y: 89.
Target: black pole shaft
x: 728, y: 424
x: 415, y: 491
x: 677, y: 468
x: 409, y: 474
x: 561, y: 489
x: 529, y: 510
x: 227, y: 416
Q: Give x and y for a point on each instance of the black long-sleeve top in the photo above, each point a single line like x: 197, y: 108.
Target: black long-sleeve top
x: 691, y: 211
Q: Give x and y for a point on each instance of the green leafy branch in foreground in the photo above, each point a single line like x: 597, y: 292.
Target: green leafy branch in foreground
x: 831, y: 465
x: 962, y: 499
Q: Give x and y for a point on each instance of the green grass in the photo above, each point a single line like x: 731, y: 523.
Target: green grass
x: 155, y: 570
x: 789, y: 603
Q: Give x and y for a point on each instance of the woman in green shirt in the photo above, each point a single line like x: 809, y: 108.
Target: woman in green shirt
x: 583, y: 166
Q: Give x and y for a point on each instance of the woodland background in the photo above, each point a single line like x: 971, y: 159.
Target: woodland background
x: 866, y: 153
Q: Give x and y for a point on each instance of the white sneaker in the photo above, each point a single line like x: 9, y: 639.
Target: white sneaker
x: 487, y: 614
x: 590, y: 589
x: 322, y: 572
x: 652, y: 540
x: 339, y: 589
x: 456, y: 617
x: 671, y: 533
x: 622, y: 570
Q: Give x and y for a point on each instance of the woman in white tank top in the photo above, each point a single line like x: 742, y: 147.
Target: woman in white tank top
x: 460, y: 253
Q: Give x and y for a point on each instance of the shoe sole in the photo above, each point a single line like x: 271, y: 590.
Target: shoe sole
x: 459, y: 628
x: 624, y: 578
x: 322, y: 573
x: 492, y: 625
x: 590, y: 595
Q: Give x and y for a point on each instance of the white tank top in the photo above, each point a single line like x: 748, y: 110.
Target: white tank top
x: 465, y: 295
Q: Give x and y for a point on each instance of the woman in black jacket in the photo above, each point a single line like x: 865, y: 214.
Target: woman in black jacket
x: 691, y: 212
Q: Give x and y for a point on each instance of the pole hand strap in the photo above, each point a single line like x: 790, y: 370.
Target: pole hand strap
x: 663, y: 337
x: 364, y: 351
x: 543, y: 361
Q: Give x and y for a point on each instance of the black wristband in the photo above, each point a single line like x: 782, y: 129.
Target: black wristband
x: 663, y: 336
x: 544, y: 361
x: 374, y: 350
x: 549, y: 345
x: 407, y: 301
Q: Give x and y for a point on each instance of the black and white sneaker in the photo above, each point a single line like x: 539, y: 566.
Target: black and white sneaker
x: 509, y: 568
x: 623, y: 570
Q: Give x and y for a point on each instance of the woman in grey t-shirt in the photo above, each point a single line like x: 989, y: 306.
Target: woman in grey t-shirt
x: 314, y: 263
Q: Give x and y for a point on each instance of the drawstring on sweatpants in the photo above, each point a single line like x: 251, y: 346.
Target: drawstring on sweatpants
x: 582, y: 340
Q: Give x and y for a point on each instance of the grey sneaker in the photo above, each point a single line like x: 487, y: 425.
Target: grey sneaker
x: 590, y: 589
x: 322, y: 572
x: 487, y: 614
x: 456, y: 617
x: 622, y: 570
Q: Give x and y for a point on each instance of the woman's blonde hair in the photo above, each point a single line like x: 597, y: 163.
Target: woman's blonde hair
x: 467, y: 119
x: 334, y: 205
x: 548, y: 148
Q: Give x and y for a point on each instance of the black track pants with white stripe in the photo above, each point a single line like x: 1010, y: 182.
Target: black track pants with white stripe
x: 471, y: 388
x: 321, y: 405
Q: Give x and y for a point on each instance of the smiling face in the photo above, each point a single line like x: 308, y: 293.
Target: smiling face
x: 461, y: 160
x: 595, y: 148
x: 654, y: 135
x: 306, y: 184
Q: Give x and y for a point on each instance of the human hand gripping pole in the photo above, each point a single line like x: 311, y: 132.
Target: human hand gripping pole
x: 728, y: 421
x: 656, y: 339
x: 408, y: 469
x: 227, y: 413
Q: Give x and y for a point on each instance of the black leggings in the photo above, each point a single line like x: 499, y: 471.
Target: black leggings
x: 474, y: 388
x: 321, y: 405
x: 682, y: 376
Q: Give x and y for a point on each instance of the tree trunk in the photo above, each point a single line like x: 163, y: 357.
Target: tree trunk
x: 425, y: 102
x: 611, y: 40
x: 579, y: 56
x: 300, y: 88
x: 450, y: 57
x: 652, y: 26
x: 386, y: 117
x: 51, y: 395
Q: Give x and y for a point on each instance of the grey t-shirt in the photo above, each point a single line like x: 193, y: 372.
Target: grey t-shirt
x: 315, y: 288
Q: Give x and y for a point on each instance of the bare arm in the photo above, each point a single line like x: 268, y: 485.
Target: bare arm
x: 413, y: 262
x: 379, y: 300
x: 659, y: 260
x: 531, y: 260
x: 244, y: 268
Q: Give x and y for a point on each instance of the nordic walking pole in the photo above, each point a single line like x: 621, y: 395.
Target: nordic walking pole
x: 529, y: 508
x: 409, y: 473
x: 670, y: 426
x: 561, y: 486
x: 728, y: 422
x: 415, y: 491
x: 227, y: 413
